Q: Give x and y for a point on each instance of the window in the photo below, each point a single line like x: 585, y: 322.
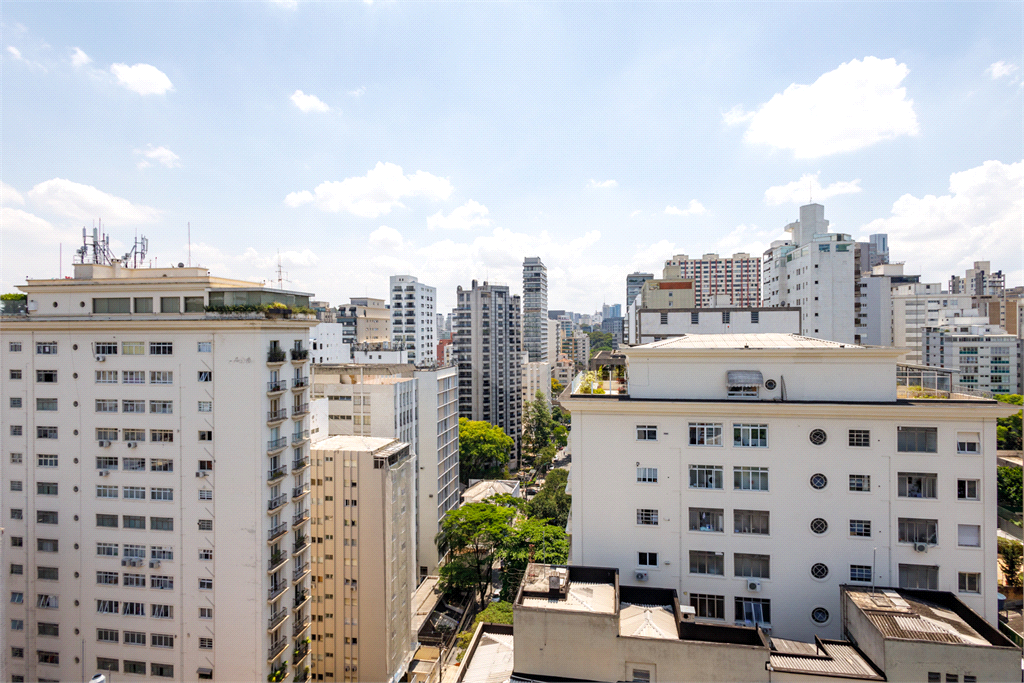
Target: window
x: 46, y: 432
x: 206, y: 406
x: 161, y: 494
x: 136, y: 551
x: 750, y: 478
x: 14, y: 347
x: 968, y: 442
x: 162, y: 670
x: 969, y: 582
x: 707, y: 562
x: 17, y: 598
x: 17, y: 541
x: 47, y: 602
x: 46, y: 404
x: 205, y: 494
x: 15, y: 374
x: 106, y: 520
x: 46, y: 488
x: 15, y: 485
x: 706, y: 477
x: 919, y: 576
x: 18, y: 652
x: 860, y: 482
x: 205, y: 376
x: 16, y: 513
x: 17, y: 569
x: 967, y: 489
x: 205, y: 554
x: 46, y: 348
x: 647, y: 475
x: 134, y: 435
x: 694, y: 318
x: 818, y: 481
x: 135, y: 609
x: 17, y: 624
x: 708, y: 606
x: 206, y: 584
x: 161, y: 348
x: 860, y: 572
x: 750, y: 522
x: 106, y: 578
x: 15, y: 401
x: 133, y: 348
x: 131, y: 667
x: 161, y: 523
x: 107, y: 664
x: 646, y: 432
x: 133, y: 522
x: 160, y: 552
x: 162, y: 407
x: 111, y: 305
x: 705, y: 434
x: 105, y: 635
x: 161, y: 377
x: 860, y: 527
x: 664, y: 319
x: 46, y: 460
x: 46, y: 657
x: 103, y: 491
x: 206, y: 613
x: 106, y: 462
x: 45, y: 629
x: 706, y: 519
x: 647, y: 559
x: 196, y: 304
x: 750, y: 436
x: 162, y: 611
x: 753, y: 611
x: 170, y: 304
x: 46, y: 517
x: 132, y: 376
x: 918, y: 530
x: 860, y: 437
x: 106, y: 434
x: 203, y: 346
x: 134, y: 581
x: 106, y: 405
x: 164, y: 583
x: 16, y: 430
x: 106, y: 549
x: 968, y: 535
x: 134, y: 492
x: 207, y: 524
x: 205, y: 435
x: 206, y: 643
x: 917, y: 439
x: 917, y: 485
x: 46, y: 376
x: 752, y: 566
x: 161, y: 436
x: 105, y: 348
x: 161, y: 464
x: 16, y: 458
x: 647, y: 517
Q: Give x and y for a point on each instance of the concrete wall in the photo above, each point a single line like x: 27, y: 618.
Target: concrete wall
x: 711, y: 321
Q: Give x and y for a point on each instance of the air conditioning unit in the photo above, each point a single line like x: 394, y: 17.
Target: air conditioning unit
x: 136, y: 562
x: 921, y: 547
x: 202, y: 473
x: 154, y: 564
x: 640, y: 575
x: 103, y: 444
x: 754, y: 585
x: 132, y: 444
x: 100, y: 358
x: 104, y: 473
x: 126, y: 562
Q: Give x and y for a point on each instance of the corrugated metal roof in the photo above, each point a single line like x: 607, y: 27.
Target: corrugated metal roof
x: 647, y: 621
x: 835, y: 659
x: 492, y: 661
x: 771, y: 340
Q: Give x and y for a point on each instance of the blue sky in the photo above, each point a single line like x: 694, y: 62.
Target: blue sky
x: 450, y: 140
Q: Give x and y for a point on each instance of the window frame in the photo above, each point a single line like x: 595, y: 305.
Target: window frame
x: 646, y: 433
x: 743, y: 431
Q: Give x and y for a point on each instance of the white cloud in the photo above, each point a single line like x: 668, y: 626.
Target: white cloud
x: 358, y: 92
x: 79, y: 58
x: 385, y: 237
x: 800, y: 191
x: 84, y: 202
x: 286, y: 4
x: 468, y: 216
x: 374, y: 194
x: 32, y: 248
x: 857, y: 105
x: 636, y: 213
x: 308, y: 103
x: 14, y: 51
x: 145, y: 79
x: 8, y: 195
x: 980, y: 218
x: 694, y: 208
x: 1000, y: 69
x: 603, y: 184
x: 160, y: 155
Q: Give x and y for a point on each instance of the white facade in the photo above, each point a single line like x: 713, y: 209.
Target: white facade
x: 552, y: 340
x: 818, y: 478
x: 654, y: 325
x: 327, y: 343
x: 155, y: 478
x: 536, y: 377
x: 413, y: 311
x: 813, y: 270
x: 717, y: 281
x: 986, y: 356
x: 918, y: 306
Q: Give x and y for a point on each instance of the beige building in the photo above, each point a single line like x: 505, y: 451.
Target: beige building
x: 373, y: 319
x: 675, y: 293
x: 733, y: 281
x: 536, y: 377
x: 155, y: 469
x: 363, y: 557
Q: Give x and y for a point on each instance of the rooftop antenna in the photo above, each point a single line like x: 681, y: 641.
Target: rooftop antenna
x: 282, y: 276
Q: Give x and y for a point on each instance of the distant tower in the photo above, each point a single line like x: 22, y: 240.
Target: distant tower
x: 535, y: 309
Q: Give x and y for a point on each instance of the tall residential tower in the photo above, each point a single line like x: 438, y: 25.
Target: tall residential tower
x: 535, y: 309
x: 413, y: 307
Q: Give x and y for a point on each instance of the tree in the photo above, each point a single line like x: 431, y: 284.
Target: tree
x: 544, y: 459
x: 472, y: 533
x: 537, y: 424
x: 483, y: 449
x: 1008, y: 429
x: 556, y: 387
x: 1009, y: 487
x: 529, y: 540
x: 600, y: 341
x: 560, y: 436
x: 552, y: 502
x: 1011, y: 553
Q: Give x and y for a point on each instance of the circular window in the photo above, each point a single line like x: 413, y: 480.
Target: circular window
x: 769, y: 384
x: 819, y: 481
x: 819, y: 615
x: 74, y: 347
x: 818, y: 525
x: 818, y: 436
x: 819, y: 570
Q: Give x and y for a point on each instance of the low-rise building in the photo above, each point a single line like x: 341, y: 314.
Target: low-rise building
x: 657, y: 324
x: 986, y: 356
x: 668, y: 293
x: 536, y: 377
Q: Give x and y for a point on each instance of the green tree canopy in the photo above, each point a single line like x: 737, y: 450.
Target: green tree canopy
x: 1009, y: 487
x: 473, y: 534
x: 483, y: 449
x: 538, y: 427
x: 529, y: 540
x: 556, y: 387
x: 600, y: 341
x: 1011, y: 554
x: 552, y: 502
x: 1008, y: 429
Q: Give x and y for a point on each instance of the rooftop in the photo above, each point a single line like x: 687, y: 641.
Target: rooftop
x: 833, y: 658
x: 370, y: 444
x: 771, y: 340
x: 482, y: 490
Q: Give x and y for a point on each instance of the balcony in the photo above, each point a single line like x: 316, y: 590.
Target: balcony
x: 300, y: 355
x: 300, y: 491
x: 300, y: 625
x: 275, y: 445
x: 300, y: 544
x: 277, y: 386
x: 277, y: 532
x: 300, y: 572
x: 276, y: 356
x: 276, y: 649
x: 277, y: 415
x: 300, y: 437
x: 276, y: 502
x: 301, y: 598
x: 300, y: 464
x: 300, y: 517
x: 276, y: 561
x: 300, y: 382
x: 276, y: 619
x: 274, y: 591
x: 277, y: 472
x: 299, y: 653
x: 299, y: 410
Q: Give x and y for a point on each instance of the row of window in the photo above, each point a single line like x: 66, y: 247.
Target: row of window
x: 107, y: 462
x: 111, y: 405
x: 110, y: 348
x: 111, y: 434
x: 111, y: 377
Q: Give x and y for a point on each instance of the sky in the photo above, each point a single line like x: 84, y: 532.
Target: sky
x: 357, y: 140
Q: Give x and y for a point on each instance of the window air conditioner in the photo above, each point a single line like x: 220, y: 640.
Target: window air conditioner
x: 154, y: 564
x: 921, y: 547
x: 201, y: 473
x: 640, y: 575
x: 754, y: 585
x: 100, y: 358
x: 125, y: 562
x: 136, y: 562
x: 132, y: 444
x: 104, y: 473
x: 103, y: 444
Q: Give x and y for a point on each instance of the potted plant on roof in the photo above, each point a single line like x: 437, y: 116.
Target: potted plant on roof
x: 277, y: 310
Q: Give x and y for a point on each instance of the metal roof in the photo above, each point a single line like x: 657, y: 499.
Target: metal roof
x: 773, y: 340
x: 825, y: 658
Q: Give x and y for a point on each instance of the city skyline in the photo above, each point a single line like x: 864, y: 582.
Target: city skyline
x: 451, y: 144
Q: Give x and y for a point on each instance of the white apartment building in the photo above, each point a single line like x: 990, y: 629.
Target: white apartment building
x: 577, y: 347
x: 413, y: 311
x: 536, y: 377
x: 154, y: 464
x: 551, y: 343
x: 986, y: 356
x: 535, y: 309
x: 979, y: 281
x: 917, y: 306
x: 717, y: 281
x: 329, y: 343
x: 654, y: 324
x: 813, y: 270
x: 755, y: 474
x: 363, y: 541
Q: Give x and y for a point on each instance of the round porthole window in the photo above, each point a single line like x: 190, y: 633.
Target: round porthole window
x: 818, y: 436
x: 770, y: 384
x: 74, y: 347
x: 819, y: 570
x: 818, y: 525
x: 819, y: 481
x: 819, y: 615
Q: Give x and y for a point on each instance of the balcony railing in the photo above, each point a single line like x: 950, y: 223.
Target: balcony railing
x: 273, y: 621
x: 276, y: 561
x: 299, y: 437
x: 276, y: 386
x: 300, y: 464
x: 300, y: 382
x: 278, y: 531
x: 277, y: 472
x: 299, y: 491
x: 276, y: 356
x: 300, y: 409
x: 275, y: 591
x: 276, y: 502
x: 300, y: 544
x: 300, y: 572
x: 300, y: 354
x: 276, y: 649
x: 300, y: 625
x: 277, y: 415
x: 301, y: 598
x: 299, y: 652
x: 277, y: 444
x: 300, y: 517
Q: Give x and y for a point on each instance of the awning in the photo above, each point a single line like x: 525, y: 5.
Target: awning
x: 745, y: 378
x: 204, y: 672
